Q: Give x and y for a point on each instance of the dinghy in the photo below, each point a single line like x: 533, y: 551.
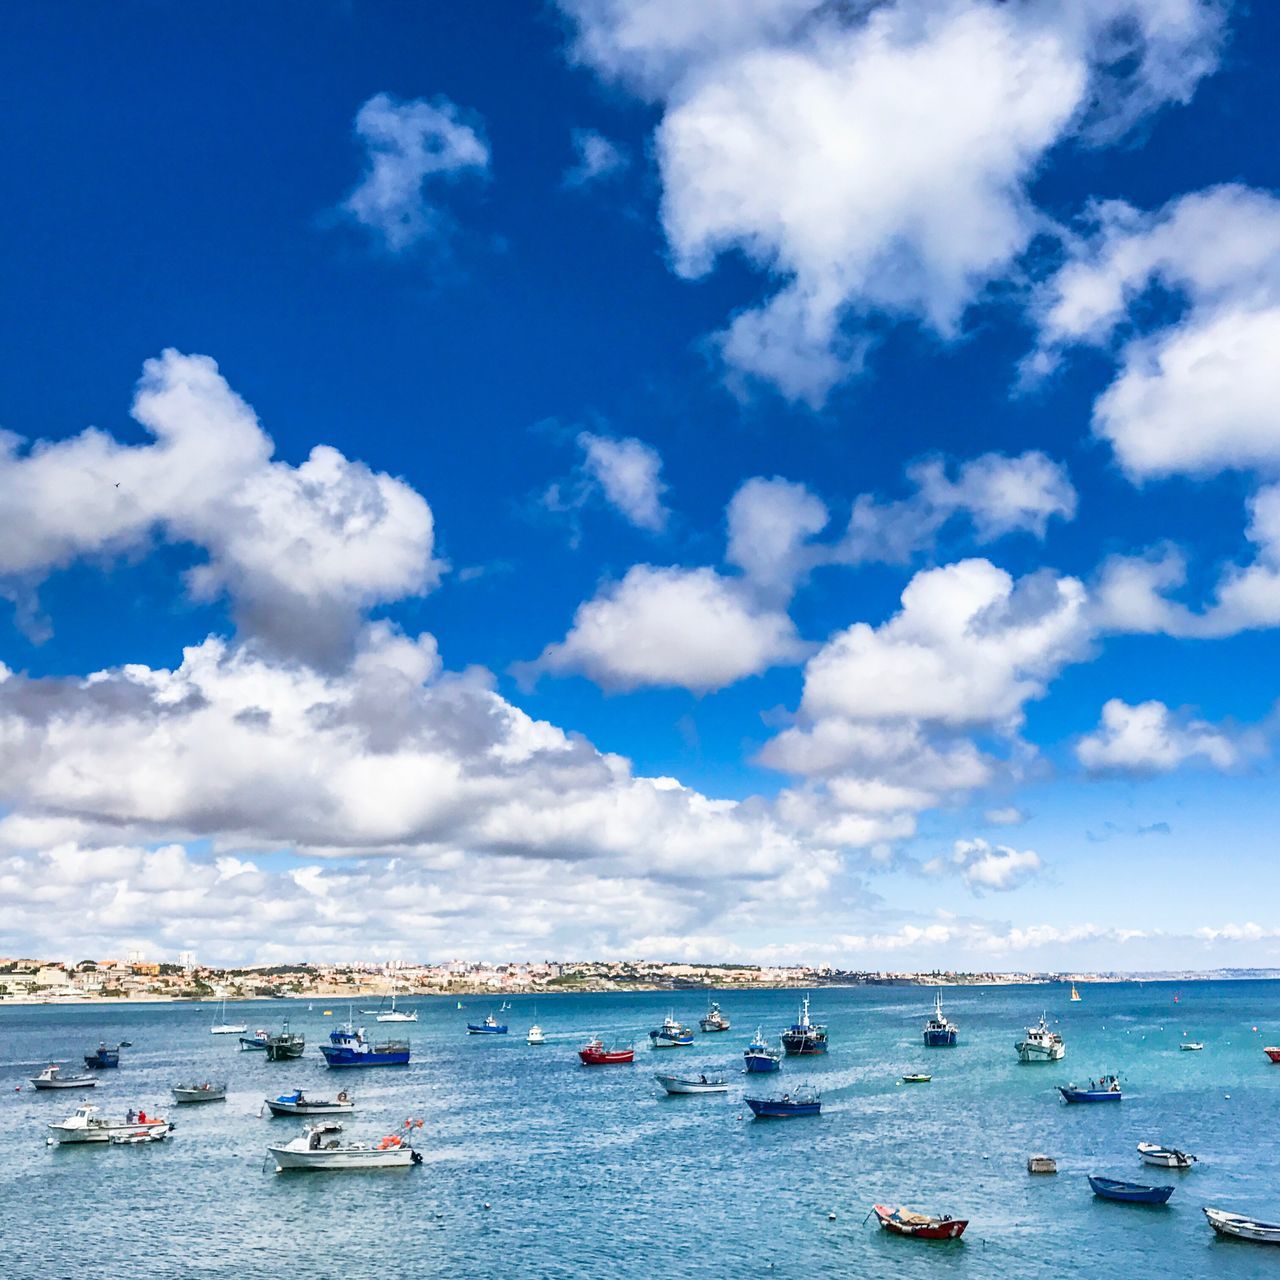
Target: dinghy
x: 204, y: 1092
x: 1166, y: 1157
x: 1129, y: 1192
x: 1236, y: 1224
x: 905, y: 1222
x: 693, y: 1084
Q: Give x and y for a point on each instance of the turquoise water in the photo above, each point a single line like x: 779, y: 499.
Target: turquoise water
x: 595, y: 1171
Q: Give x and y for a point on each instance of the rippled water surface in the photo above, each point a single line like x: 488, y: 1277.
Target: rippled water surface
x: 596, y: 1172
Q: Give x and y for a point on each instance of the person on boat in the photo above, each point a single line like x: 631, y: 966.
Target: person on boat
x: 129, y: 1116
x: 702, y: 1079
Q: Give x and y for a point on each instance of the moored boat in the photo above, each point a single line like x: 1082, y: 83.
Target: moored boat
x: 804, y: 1036
x: 594, y: 1054
x: 348, y: 1047
x: 671, y: 1035
x: 54, y: 1077
x: 923, y: 1226
x: 1242, y: 1227
x: 224, y: 1028
x: 319, y: 1146
x: 88, y: 1124
x: 297, y: 1104
x: 285, y: 1045
x: 396, y: 1015
x: 1272, y: 1052
x: 535, y: 1035
x: 1128, y: 1192
x: 102, y: 1058
x: 1041, y: 1044
x: 940, y: 1032
x: 135, y: 1137
x: 918, y: 1077
x: 206, y: 1091
x: 1106, y: 1089
x: 761, y: 1057
x: 785, y: 1106
x: 714, y: 1020
x: 256, y: 1042
x: 489, y: 1027
x: 693, y: 1084
x: 1191, y: 1046
x: 1166, y: 1157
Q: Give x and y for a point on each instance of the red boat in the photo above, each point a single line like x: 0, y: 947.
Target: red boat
x: 1273, y: 1054
x: 594, y: 1054
x: 904, y: 1222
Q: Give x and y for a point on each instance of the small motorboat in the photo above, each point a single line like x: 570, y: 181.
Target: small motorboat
x: 88, y: 1124
x: 285, y: 1045
x: 761, y: 1057
x: 594, y: 1054
x: 535, y: 1035
x: 1041, y: 1044
x: 786, y: 1106
x: 136, y: 1137
x: 256, y: 1042
x: 1191, y: 1046
x: 940, y: 1032
x: 804, y: 1036
x: 918, y: 1078
x: 671, y: 1035
x: 320, y: 1147
x: 204, y: 1092
x: 714, y: 1020
x: 1243, y: 1228
x: 1128, y: 1192
x: 489, y: 1027
x: 1273, y: 1052
x: 53, y: 1077
x: 1107, y: 1089
x: 348, y: 1047
x: 693, y: 1084
x: 102, y: 1058
x: 296, y: 1104
x: 905, y: 1222
x: 1166, y: 1157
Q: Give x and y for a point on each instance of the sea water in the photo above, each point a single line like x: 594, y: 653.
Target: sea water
x: 536, y: 1166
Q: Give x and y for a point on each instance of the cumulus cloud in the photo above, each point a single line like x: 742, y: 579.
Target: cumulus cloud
x: 301, y: 552
x: 595, y: 159
x: 689, y: 628
x: 771, y: 524
x: 629, y: 473
x: 1006, y: 816
x: 984, y: 866
x: 1149, y: 738
x: 875, y: 158
x: 411, y: 148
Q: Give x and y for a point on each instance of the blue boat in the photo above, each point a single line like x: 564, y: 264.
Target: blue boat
x: 256, y: 1043
x: 1129, y: 1192
x: 760, y: 1057
x: 788, y: 1105
x: 671, y: 1035
x: 102, y: 1058
x: 803, y: 1036
x: 489, y: 1027
x: 1105, y: 1090
x: 348, y: 1047
x: 940, y: 1032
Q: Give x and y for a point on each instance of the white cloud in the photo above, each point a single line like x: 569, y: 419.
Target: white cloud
x: 690, y: 628
x: 595, y: 159
x: 875, y: 158
x: 984, y: 866
x: 410, y: 145
x: 771, y: 523
x: 300, y: 551
x: 1199, y: 393
x: 1005, y: 816
x: 1149, y: 738
x: 629, y: 474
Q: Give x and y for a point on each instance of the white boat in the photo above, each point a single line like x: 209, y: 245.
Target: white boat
x: 296, y: 1104
x: 395, y: 1015
x: 88, y: 1124
x: 1236, y: 1224
x: 693, y: 1084
x: 206, y: 1091
x: 1041, y: 1044
x: 1191, y: 1046
x: 224, y: 1028
x: 713, y: 1019
x: 1165, y: 1157
x: 535, y: 1035
x: 53, y: 1077
x: 319, y: 1146
x: 138, y: 1136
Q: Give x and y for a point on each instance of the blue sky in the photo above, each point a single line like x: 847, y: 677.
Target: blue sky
x: 789, y: 484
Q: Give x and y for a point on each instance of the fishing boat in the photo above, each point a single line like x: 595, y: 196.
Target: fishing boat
x: 594, y: 1054
x: 1128, y: 1192
x: 348, y: 1047
x: 803, y: 1036
x: 1075, y: 995
x: 786, y: 1106
x: 53, y: 1077
x: 918, y: 1078
x: 1041, y: 1044
x: 489, y: 1027
x: 1167, y: 1157
x: 256, y: 1042
x: 714, y: 1020
x: 206, y: 1091
x: 693, y: 1084
x: 102, y: 1058
x: 1273, y: 1053
x: 224, y: 1028
x: 535, y: 1035
x: 1236, y: 1224
x: 393, y: 1014
x: 319, y: 1146
x: 939, y: 1031
x: 285, y: 1045
x: 905, y: 1222
x: 1106, y: 1089
x: 761, y: 1057
x: 1191, y: 1046
x: 671, y: 1035
x: 88, y: 1124
x: 297, y: 1104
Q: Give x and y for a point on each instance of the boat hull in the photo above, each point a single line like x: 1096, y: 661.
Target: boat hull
x: 473, y: 1030
x: 1129, y: 1192
x: 250, y: 1044
x: 285, y: 1052
x: 940, y: 1039
x: 102, y: 1060
x: 919, y: 1226
x: 1273, y: 1053
x: 780, y: 1109
x: 802, y: 1046
x: 1239, y: 1227
x: 681, y: 1084
x: 1164, y: 1157
x: 759, y: 1064
x: 1089, y: 1095
x: 69, y: 1082
x: 218, y: 1094
x: 607, y: 1058
x: 278, y: 1108
x: 351, y: 1158
x: 1040, y: 1053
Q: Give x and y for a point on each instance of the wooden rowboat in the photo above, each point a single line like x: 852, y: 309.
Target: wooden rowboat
x: 905, y: 1222
x: 1129, y: 1192
x: 1236, y: 1224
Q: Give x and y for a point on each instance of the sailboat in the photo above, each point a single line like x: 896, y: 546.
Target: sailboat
x: 224, y: 1028
x: 396, y: 1015
x: 1075, y: 995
